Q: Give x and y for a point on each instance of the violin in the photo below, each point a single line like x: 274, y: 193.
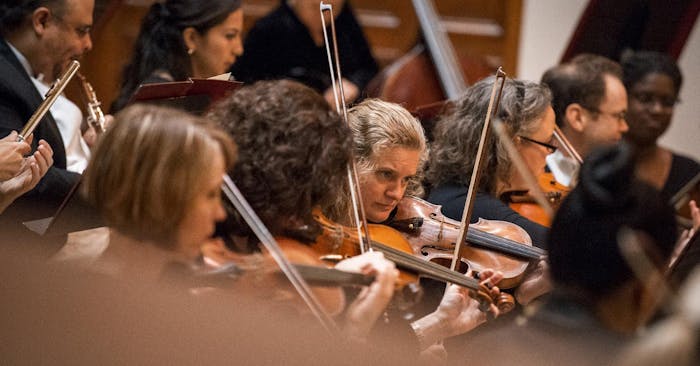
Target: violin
x: 554, y: 192
x: 500, y: 245
x: 524, y: 204
x: 259, y: 273
x: 338, y: 242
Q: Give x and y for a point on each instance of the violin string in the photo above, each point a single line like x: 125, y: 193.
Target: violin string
x: 508, y: 246
x: 428, y: 268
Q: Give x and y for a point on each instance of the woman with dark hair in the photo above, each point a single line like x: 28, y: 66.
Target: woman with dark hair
x: 653, y: 82
x: 288, y: 44
x: 183, y: 38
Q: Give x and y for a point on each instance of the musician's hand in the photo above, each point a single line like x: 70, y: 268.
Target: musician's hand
x: 33, y: 169
x: 372, y: 300
x: 90, y: 136
x: 686, y: 235
x: 12, y: 155
x: 350, y: 90
x: 536, y: 283
x: 457, y: 313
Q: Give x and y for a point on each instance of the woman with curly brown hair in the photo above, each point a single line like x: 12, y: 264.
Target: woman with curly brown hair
x: 293, y: 156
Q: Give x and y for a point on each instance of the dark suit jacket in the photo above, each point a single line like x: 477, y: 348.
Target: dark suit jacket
x: 18, y: 101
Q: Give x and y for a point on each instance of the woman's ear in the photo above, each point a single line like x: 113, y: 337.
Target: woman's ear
x: 190, y: 37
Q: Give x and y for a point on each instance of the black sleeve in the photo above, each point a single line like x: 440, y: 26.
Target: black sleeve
x: 359, y: 65
x: 45, y: 198
x: 683, y: 169
x: 10, y: 118
x: 260, y: 56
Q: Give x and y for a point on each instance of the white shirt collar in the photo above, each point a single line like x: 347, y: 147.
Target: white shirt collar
x: 564, y: 169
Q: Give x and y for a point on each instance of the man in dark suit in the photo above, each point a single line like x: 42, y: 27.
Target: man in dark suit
x: 39, y: 35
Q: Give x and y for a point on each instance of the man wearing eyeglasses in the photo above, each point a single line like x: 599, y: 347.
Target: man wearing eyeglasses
x: 39, y: 36
x: 590, y: 104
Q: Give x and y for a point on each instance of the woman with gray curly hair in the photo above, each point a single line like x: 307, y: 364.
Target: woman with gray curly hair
x: 527, y: 114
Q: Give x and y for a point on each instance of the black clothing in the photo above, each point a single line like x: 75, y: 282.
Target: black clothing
x: 683, y: 169
x: 279, y: 46
x: 452, y: 196
x: 562, y: 331
x: 19, y: 99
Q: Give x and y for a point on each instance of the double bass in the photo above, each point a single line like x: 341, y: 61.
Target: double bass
x: 429, y: 73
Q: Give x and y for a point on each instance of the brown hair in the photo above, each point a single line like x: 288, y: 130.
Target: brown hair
x: 293, y: 151
x: 582, y: 81
x: 145, y: 171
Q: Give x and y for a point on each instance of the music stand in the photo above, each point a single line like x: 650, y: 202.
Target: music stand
x: 192, y: 95
x: 74, y: 214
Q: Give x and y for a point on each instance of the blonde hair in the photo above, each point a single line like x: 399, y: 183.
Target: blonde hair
x: 145, y: 171
x: 376, y: 126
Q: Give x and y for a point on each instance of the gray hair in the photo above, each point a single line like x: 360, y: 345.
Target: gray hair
x: 457, y: 134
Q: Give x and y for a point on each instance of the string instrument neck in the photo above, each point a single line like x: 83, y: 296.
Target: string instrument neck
x: 441, y: 50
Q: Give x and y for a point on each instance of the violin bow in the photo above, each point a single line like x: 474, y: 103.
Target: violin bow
x: 478, y: 168
x: 251, y: 218
x: 341, y: 109
x: 522, y: 168
x: 566, y: 145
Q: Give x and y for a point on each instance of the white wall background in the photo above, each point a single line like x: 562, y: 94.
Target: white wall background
x: 547, y: 26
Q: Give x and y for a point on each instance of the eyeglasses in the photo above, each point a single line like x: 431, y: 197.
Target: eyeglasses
x: 649, y: 99
x: 619, y: 116
x: 550, y: 148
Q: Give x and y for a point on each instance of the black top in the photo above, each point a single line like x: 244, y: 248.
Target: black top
x: 683, y: 169
x: 452, y: 196
x: 560, y: 330
x: 19, y: 99
x: 279, y: 46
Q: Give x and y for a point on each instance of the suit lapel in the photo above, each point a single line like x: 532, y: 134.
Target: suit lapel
x: 47, y: 128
